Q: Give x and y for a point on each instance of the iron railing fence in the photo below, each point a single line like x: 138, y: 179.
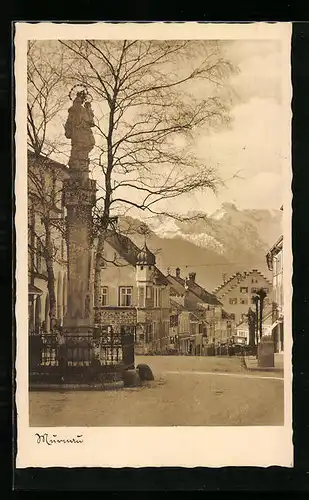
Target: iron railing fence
x: 103, y: 350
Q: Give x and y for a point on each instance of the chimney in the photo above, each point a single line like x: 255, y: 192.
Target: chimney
x: 192, y: 277
x: 177, y: 272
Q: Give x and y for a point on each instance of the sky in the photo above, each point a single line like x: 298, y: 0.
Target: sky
x: 248, y: 153
x: 251, y: 147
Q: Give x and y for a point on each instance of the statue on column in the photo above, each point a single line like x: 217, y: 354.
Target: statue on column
x: 78, y: 127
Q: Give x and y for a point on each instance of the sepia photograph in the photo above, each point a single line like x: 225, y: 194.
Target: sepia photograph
x: 155, y: 204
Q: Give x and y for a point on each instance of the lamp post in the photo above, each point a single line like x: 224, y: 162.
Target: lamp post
x: 261, y: 295
x: 255, y: 300
x: 252, y: 326
x: 258, y: 300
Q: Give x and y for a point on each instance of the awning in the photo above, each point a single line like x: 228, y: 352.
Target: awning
x: 34, y: 290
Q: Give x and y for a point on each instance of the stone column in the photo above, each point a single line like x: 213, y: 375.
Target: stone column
x: 79, y: 199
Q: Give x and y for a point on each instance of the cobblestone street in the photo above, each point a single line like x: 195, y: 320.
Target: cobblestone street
x: 187, y: 391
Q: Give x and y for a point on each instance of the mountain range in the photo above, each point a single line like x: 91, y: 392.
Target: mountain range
x: 215, y: 245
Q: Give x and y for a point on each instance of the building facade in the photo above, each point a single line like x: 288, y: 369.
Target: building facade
x: 242, y: 328
x: 188, y: 330
x: 206, y: 316
x: 46, y: 242
x: 274, y: 260
x: 236, y: 293
x: 134, y: 294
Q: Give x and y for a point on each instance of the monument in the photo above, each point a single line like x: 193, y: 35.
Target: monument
x: 79, y: 199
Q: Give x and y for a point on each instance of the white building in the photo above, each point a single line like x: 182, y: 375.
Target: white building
x: 274, y: 260
x: 45, y: 207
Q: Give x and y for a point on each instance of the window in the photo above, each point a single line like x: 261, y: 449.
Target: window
x: 141, y: 296
x: 104, y: 296
x: 244, y: 301
x: 148, y: 292
x: 243, y: 289
x: 233, y: 302
x: 254, y: 280
x: 148, y: 333
x: 157, y: 297
x: 254, y: 290
x: 125, y: 296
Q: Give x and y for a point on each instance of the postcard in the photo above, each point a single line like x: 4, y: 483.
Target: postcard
x: 153, y: 244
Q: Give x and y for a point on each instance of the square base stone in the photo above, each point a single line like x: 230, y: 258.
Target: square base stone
x: 266, y: 354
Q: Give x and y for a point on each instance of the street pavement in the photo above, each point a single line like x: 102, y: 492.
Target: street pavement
x: 187, y: 391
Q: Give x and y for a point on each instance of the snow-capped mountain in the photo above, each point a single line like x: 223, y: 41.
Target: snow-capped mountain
x: 227, y: 241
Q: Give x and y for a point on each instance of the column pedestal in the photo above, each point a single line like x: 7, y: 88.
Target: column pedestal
x: 79, y: 198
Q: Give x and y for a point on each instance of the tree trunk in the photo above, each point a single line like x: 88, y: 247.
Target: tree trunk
x: 49, y: 260
x: 97, y: 276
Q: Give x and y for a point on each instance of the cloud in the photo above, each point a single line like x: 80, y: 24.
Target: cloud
x: 259, y: 77
x: 252, y: 145
x: 264, y: 190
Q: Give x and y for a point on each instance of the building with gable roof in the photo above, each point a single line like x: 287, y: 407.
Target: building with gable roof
x: 45, y: 200
x: 237, y: 291
x: 213, y: 323
x: 134, y: 294
x: 188, y: 329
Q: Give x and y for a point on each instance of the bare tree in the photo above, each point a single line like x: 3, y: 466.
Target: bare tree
x: 45, y: 101
x: 46, y: 224
x: 151, y: 99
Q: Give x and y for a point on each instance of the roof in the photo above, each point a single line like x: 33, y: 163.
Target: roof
x: 34, y: 290
x: 273, y: 251
x: 146, y: 257
x: 32, y: 157
x: 242, y: 275
x: 176, y: 305
x: 196, y: 289
x: 130, y: 252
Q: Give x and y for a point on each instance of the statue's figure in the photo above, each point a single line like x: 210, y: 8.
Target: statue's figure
x: 78, y: 127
